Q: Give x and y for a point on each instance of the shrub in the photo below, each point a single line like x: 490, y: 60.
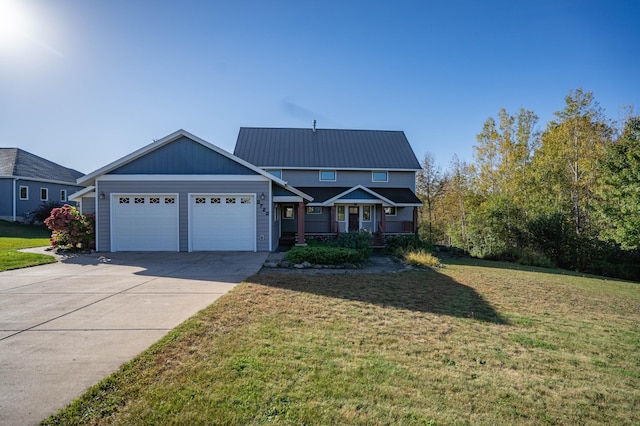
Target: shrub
x: 70, y: 228
x: 43, y: 212
x: 422, y: 258
x: 399, y: 245
x: 324, y: 255
x: 357, y: 240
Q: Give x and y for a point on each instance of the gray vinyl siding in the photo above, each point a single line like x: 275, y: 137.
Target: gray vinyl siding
x: 349, y: 178
x: 88, y: 205
x: 394, y: 224
x: 6, y: 199
x: 183, y: 189
x: 34, y: 202
x: 318, y: 223
x: 184, y: 157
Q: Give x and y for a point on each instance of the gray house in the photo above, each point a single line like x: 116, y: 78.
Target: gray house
x: 358, y: 179
x: 182, y: 193
x: 27, y: 181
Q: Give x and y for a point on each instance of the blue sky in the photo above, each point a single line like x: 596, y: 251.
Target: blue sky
x: 83, y: 83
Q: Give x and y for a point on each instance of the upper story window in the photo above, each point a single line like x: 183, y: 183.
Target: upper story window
x: 276, y: 173
x: 379, y: 176
x: 24, y: 192
x: 44, y: 194
x: 329, y: 175
x: 63, y: 195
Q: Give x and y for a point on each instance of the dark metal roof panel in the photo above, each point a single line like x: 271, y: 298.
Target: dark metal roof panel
x: 325, y: 148
x: 20, y: 163
x: 398, y: 195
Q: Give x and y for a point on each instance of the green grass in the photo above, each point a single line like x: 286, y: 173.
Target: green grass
x: 474, y: 343
x: 15, y: 236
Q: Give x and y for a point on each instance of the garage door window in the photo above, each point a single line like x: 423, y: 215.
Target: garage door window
x: 124, y: 200
x: 231, y: 200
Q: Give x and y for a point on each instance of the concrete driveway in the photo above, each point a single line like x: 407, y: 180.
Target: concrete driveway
x: 65, y: 326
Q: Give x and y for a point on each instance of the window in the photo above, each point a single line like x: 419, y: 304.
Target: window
x: 245, y: 200
x: 138, y: 200
x: 169, y: 200
x: 63, y: 195
x: 328, y: 175
x: 215, y: 200
x: 24, y: 192
x: 276, y: 173
x: 230, y: 200
x: 44, y: 194
x: 314, y: 210
x: 201, y: 200
x: 154, y: 200
x: 366, y: 213
x: 124, y: 200
x: 341, y: 213
x: 379, y: 177
x: 390, y: 211
x: 288, y: 212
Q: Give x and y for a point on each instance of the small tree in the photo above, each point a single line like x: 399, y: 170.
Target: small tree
x: 71, y: 228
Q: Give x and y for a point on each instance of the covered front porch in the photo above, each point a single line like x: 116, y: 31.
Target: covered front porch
x: 337, y: 210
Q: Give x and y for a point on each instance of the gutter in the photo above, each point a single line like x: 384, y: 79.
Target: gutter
x: 14, y: 199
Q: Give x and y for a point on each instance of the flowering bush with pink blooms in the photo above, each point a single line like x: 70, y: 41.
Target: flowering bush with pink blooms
x: 71, y: 228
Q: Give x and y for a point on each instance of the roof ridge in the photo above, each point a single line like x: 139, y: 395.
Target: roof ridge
x: 319, y: 128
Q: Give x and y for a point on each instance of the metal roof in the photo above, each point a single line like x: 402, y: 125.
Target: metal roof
x: 19, y: 163
x: 326, y: 148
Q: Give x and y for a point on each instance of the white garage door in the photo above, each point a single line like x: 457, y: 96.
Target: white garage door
x: 145, y: 222
x: 222, y: 222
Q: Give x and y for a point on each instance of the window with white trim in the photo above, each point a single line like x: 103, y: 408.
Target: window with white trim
x: 24, y: 192
x: 379, y: 176
x: 63, y: 195
x: 44, y: 194
x: 366, y: 213
x: 276, y: 173
x: 390, y: 211
x: 340, y: 213
x: 328, y: 175
x: 287, y: 213
x: 314, y: 210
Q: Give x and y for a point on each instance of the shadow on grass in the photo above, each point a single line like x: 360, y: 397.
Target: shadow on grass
x: 421, y: 291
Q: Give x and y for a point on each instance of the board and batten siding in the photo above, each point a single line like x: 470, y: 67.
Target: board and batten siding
x: 183, y: 189
x: 350, y: 178
x: 6, y: 199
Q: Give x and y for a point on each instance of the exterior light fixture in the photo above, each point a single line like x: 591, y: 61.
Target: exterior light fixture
x: 102, y: 196
x: 262, y: 196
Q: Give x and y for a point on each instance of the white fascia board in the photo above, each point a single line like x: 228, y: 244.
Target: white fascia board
x: 168, y: 139
x: 30, y: 179
x: 359, y: 169
x: 362, y: 201
x: 298, y: 192
x: 408, y: 205
x: 183, y: 178
x: 287, y: 199
x: 364, y: 188
x: 79, y: 194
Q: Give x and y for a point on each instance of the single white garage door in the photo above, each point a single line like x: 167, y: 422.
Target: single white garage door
x: 144, y: 222
x: 222, y: 222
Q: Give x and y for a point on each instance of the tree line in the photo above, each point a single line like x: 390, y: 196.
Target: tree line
x: 567, y: 196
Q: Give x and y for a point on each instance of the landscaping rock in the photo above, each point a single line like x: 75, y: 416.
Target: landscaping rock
x: 298, y: 266
x: 306, y: 264
x: 285, y: 264
x: 317, y: 266
x: 350, y: 266
x: 270, y: 265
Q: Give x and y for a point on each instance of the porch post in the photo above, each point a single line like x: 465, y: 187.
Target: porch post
x: 333, y: 228
x: 415, y: 220
x: 300, y: 241
x: 383, y: 221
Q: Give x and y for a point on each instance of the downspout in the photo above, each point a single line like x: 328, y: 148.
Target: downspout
x: 15, y: 201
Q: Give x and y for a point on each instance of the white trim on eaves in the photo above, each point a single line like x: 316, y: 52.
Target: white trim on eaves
x: 183, y: 178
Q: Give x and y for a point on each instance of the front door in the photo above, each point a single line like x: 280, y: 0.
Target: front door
x: 354, y: 218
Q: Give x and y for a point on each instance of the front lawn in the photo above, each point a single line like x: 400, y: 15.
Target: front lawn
x: 15, y: 236
x: 474, y: 343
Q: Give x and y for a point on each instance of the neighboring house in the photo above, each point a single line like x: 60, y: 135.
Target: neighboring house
x: 27, y: 181
x: 181, y: 193
x: 359, y: 179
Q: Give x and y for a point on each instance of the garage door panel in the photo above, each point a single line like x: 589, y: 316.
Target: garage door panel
x: 222, y: 222
x: 145, y: 222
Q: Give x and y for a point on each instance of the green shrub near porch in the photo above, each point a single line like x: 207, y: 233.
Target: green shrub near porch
x: 324, y: 255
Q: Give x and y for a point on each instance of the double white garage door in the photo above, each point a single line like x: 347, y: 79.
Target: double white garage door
x: 150, y: 222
